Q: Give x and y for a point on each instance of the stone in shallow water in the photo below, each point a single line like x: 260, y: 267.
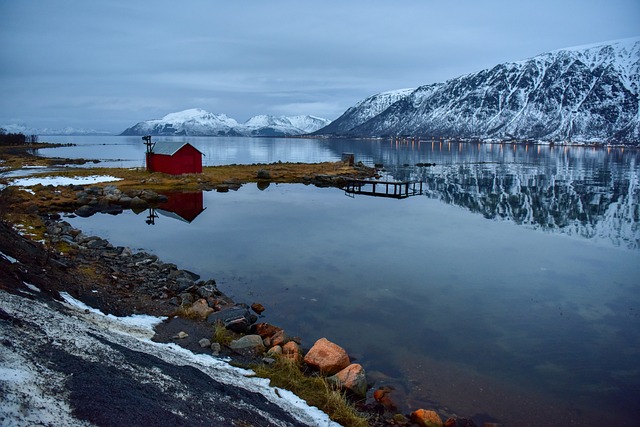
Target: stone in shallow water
x: 425, y: 418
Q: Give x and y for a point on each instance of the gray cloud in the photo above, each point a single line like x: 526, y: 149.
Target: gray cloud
x: 109, y: 64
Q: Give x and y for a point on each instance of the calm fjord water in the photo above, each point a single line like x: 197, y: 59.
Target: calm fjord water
x: 511, y: 285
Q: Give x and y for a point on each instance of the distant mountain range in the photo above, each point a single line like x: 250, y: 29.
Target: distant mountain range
x: 198, y: 122
x: 68, y: 131
x: 581, y: 94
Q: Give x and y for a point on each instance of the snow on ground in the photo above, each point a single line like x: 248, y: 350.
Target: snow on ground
x: 33, y: 393
x: 63, y: 180
x: 11, y: 259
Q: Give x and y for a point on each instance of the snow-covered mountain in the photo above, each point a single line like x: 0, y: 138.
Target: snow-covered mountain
x: 194, y: 122
x: 67, y: 131
x: 198, y: 122
x: 581, y: 94
x: 279, y: 126
x: 365, y: 110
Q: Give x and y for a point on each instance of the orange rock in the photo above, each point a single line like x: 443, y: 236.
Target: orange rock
x: 451, y: 422
x: 265, y: 330
x: 352, y: 378
x: 257, y: 307
x: 379, y: 394
x: 326, y: 356
x: 292, y: 351
x: 425, y: 418
x: 279, y: 338
x: 382, y: 397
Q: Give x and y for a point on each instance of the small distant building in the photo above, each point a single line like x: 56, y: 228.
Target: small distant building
x: 174, y: 158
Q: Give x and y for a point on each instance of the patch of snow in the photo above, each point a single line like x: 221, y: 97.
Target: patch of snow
x: 63, y: 180
x: 26, y: 396
x: 34, y: 288
x: 85, y: 333
x: 138, y: 324
x: 11, y: 259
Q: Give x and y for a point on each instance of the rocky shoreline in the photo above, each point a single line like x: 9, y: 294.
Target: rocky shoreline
x: 122, y: 282
x: 119, y: 281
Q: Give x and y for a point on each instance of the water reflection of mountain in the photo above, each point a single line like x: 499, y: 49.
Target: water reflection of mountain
x: 585, y: 191
x: 605, y: 208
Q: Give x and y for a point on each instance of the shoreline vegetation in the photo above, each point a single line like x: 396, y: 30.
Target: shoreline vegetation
x: 201, y: 318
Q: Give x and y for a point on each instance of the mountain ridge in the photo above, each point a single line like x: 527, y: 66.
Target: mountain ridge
x: 589, y: 93
x: 199, y: 122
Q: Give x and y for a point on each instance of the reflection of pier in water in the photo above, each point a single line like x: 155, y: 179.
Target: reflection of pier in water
x: 391, y: 189
x: 181, y: 206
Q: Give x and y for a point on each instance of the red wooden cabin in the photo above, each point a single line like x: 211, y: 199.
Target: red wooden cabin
x: 174, y: 158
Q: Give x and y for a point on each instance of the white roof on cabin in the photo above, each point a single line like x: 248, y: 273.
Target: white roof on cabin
x: 170, y: 148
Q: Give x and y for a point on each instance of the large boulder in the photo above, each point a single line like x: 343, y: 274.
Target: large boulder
x: 327, y: 357
x: 352, y: 378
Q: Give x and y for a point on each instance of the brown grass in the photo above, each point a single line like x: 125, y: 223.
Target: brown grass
x: 315, y: 390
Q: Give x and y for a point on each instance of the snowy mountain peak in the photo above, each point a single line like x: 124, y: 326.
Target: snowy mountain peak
x: 582, y: 94
x: 199, y: 122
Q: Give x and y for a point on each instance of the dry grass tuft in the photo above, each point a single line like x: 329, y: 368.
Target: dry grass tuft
x: 315, y: 390
x: 222, y: 335
x: 185, y: 312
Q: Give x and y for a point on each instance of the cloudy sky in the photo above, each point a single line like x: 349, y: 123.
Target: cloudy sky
x: 109, y: 64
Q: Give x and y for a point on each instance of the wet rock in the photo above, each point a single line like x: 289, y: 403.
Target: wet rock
x: 265, y: 330
x: 97, y: 243
x: 85, y: 211
x: 459, y: 422
x: 235, y: 318
x: 280, y: 338
x: 138, y: 203
x: 183, y: 284
x: 327, y: 357
x: 257, y: 307
x: 425, y: 418
x: 208, y: 290
x: 186, y: 274
x: 124, y: 201
x: 352, y: 378
x: 382, y: 396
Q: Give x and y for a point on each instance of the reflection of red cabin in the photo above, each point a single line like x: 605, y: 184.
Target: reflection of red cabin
x: 174, y: 158
x: 183, y: 206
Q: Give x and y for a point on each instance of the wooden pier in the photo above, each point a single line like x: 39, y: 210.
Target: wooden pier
x: 392, y: 189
